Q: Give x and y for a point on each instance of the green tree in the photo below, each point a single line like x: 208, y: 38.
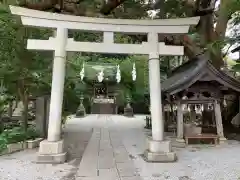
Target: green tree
x: 24, y: 73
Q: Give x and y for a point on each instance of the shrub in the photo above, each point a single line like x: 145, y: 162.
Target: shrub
x: 31, y: 133
x: 3, y: 141
x: 15, y: 135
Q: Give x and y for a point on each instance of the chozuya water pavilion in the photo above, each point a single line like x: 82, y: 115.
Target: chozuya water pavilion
x: 51, y: 149
x: 198, y: 82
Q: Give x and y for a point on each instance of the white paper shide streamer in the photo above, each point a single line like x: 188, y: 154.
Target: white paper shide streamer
x: 100, y: 76
x: 82, y: 72
x: 134, y: 73
x: 118, y: 75
x: 224, y: 103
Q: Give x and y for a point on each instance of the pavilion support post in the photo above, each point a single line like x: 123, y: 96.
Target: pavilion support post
x: 192, y: 113
x: 218, y: 118
x: 159, y: 150
x: 239, y: 103
x: 180, y: 124
x: 51, y: 150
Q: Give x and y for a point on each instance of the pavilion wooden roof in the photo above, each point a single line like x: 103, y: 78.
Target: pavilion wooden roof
x: 236, y: 49
x: 192, y: 71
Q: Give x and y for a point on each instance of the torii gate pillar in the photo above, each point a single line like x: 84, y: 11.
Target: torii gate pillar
x: 159, y: 150
x: 51, y: 150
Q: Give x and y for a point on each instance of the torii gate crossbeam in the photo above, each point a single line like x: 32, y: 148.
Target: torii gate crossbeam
x: 52, y: 149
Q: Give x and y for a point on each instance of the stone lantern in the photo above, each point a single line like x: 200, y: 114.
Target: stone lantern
x: 81, y: 112
x: 128, y: 110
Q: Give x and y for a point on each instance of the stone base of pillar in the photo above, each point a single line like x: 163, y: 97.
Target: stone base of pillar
x: 159, y: 151
x: 180, y: 143
x: 180, y: 140
x: 128, y: 111
x: 51, y: 152
x: 81, y: 112
x: 222, y: 140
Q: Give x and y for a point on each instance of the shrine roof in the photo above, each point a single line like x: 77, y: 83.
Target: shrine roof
x: 236, y: 49
x: 187, y: 74
x: 92, y: 70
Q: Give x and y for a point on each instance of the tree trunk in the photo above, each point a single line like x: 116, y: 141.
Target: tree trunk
x: 229, y: 113
x: 110, y: 5
x: 24, y: 97
x: 25, y: 113
x: 44, y: 5
x: 10, y: 109
x: 1, y: 125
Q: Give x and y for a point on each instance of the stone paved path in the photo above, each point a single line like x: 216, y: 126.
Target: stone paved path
x: 105, y: 157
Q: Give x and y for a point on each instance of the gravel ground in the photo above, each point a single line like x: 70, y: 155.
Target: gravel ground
x: 21, y: 166
x: 194, y: 163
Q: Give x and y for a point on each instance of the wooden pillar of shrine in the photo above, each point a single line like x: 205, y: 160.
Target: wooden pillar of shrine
x: 218, y: 118
x: 180, y: 123
x: 239, y: 101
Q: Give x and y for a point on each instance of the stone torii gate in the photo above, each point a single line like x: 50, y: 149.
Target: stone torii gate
x: 51, y: 149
